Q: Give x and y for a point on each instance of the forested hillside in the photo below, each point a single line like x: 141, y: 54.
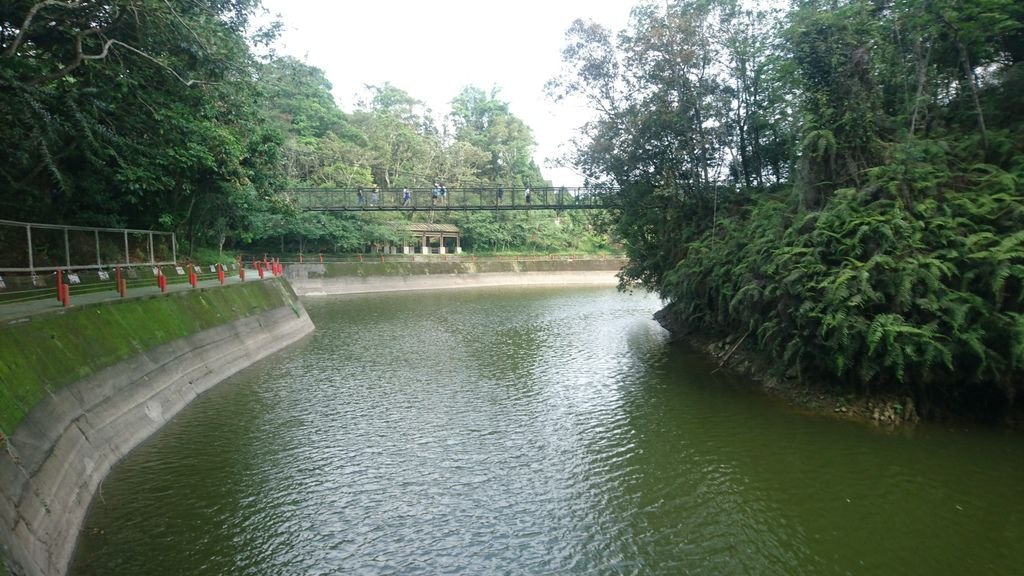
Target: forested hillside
x: 842, y: 183
x: 178, y: 116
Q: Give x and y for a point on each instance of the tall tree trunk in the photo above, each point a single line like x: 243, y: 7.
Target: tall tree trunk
x: 741, y: 127
x: 922, y: 76
x: 972, y: 82
x: 970, y: 78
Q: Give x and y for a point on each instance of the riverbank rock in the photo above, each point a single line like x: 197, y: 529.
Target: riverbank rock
x: 730, y: 354
x: 672, y: 322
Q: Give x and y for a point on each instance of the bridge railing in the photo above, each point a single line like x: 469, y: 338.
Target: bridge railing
x: 458, y: 198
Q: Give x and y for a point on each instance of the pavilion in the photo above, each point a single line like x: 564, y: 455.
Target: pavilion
x: 434, y: 239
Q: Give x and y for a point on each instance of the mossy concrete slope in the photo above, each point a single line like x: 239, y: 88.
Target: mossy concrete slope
x: 376, y: 276
x: 85, y: 387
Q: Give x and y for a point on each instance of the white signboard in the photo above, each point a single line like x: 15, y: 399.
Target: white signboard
x: 103, y: 275
x: 179, y: 270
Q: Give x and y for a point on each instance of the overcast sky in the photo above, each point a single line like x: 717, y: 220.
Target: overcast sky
x: 433, y: 49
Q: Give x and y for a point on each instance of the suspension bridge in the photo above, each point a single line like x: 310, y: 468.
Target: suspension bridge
x: 456, y: 199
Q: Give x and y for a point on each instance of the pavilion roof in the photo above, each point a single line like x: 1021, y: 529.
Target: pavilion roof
x: 420, y: 227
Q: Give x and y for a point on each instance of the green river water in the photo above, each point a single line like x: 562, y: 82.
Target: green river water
x: 538, y: 431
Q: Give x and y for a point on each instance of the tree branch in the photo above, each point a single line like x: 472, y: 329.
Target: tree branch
x: 13, y: 48
x: 75, y: 63
x: 186, y: 26
x: 734, y: 347
x: 80, y: 56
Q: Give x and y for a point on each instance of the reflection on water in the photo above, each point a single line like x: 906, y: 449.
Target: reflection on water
x: 537, y: 431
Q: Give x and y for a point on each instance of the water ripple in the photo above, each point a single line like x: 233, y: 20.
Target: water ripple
x: 532, y: 432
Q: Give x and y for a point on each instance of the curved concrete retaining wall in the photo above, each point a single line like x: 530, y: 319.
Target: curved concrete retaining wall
x: 355, y: 278
x: 65, y: 446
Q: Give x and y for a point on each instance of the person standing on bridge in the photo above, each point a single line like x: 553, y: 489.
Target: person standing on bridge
x: 500, y: 195
x: 406, y: 196
x: 528, y: 197
x: 374, y: 198
x: 359, y: 197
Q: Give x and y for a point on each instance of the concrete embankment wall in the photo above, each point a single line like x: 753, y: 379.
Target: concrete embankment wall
x: 376, y: 276
x: 133, y: 365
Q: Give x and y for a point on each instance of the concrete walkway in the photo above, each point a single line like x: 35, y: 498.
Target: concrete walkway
x: 14, y: 311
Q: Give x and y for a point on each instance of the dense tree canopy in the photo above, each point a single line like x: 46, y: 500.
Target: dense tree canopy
x: 391, y: 141
x: 132, y: 113
x: 158, y: 114
x: 842, y: 181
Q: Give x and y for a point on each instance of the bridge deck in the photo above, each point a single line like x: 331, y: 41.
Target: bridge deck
x: 463, y: 199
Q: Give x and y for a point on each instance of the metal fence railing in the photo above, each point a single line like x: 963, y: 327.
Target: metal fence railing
x: 35, y: 248
x: 23, y: 287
